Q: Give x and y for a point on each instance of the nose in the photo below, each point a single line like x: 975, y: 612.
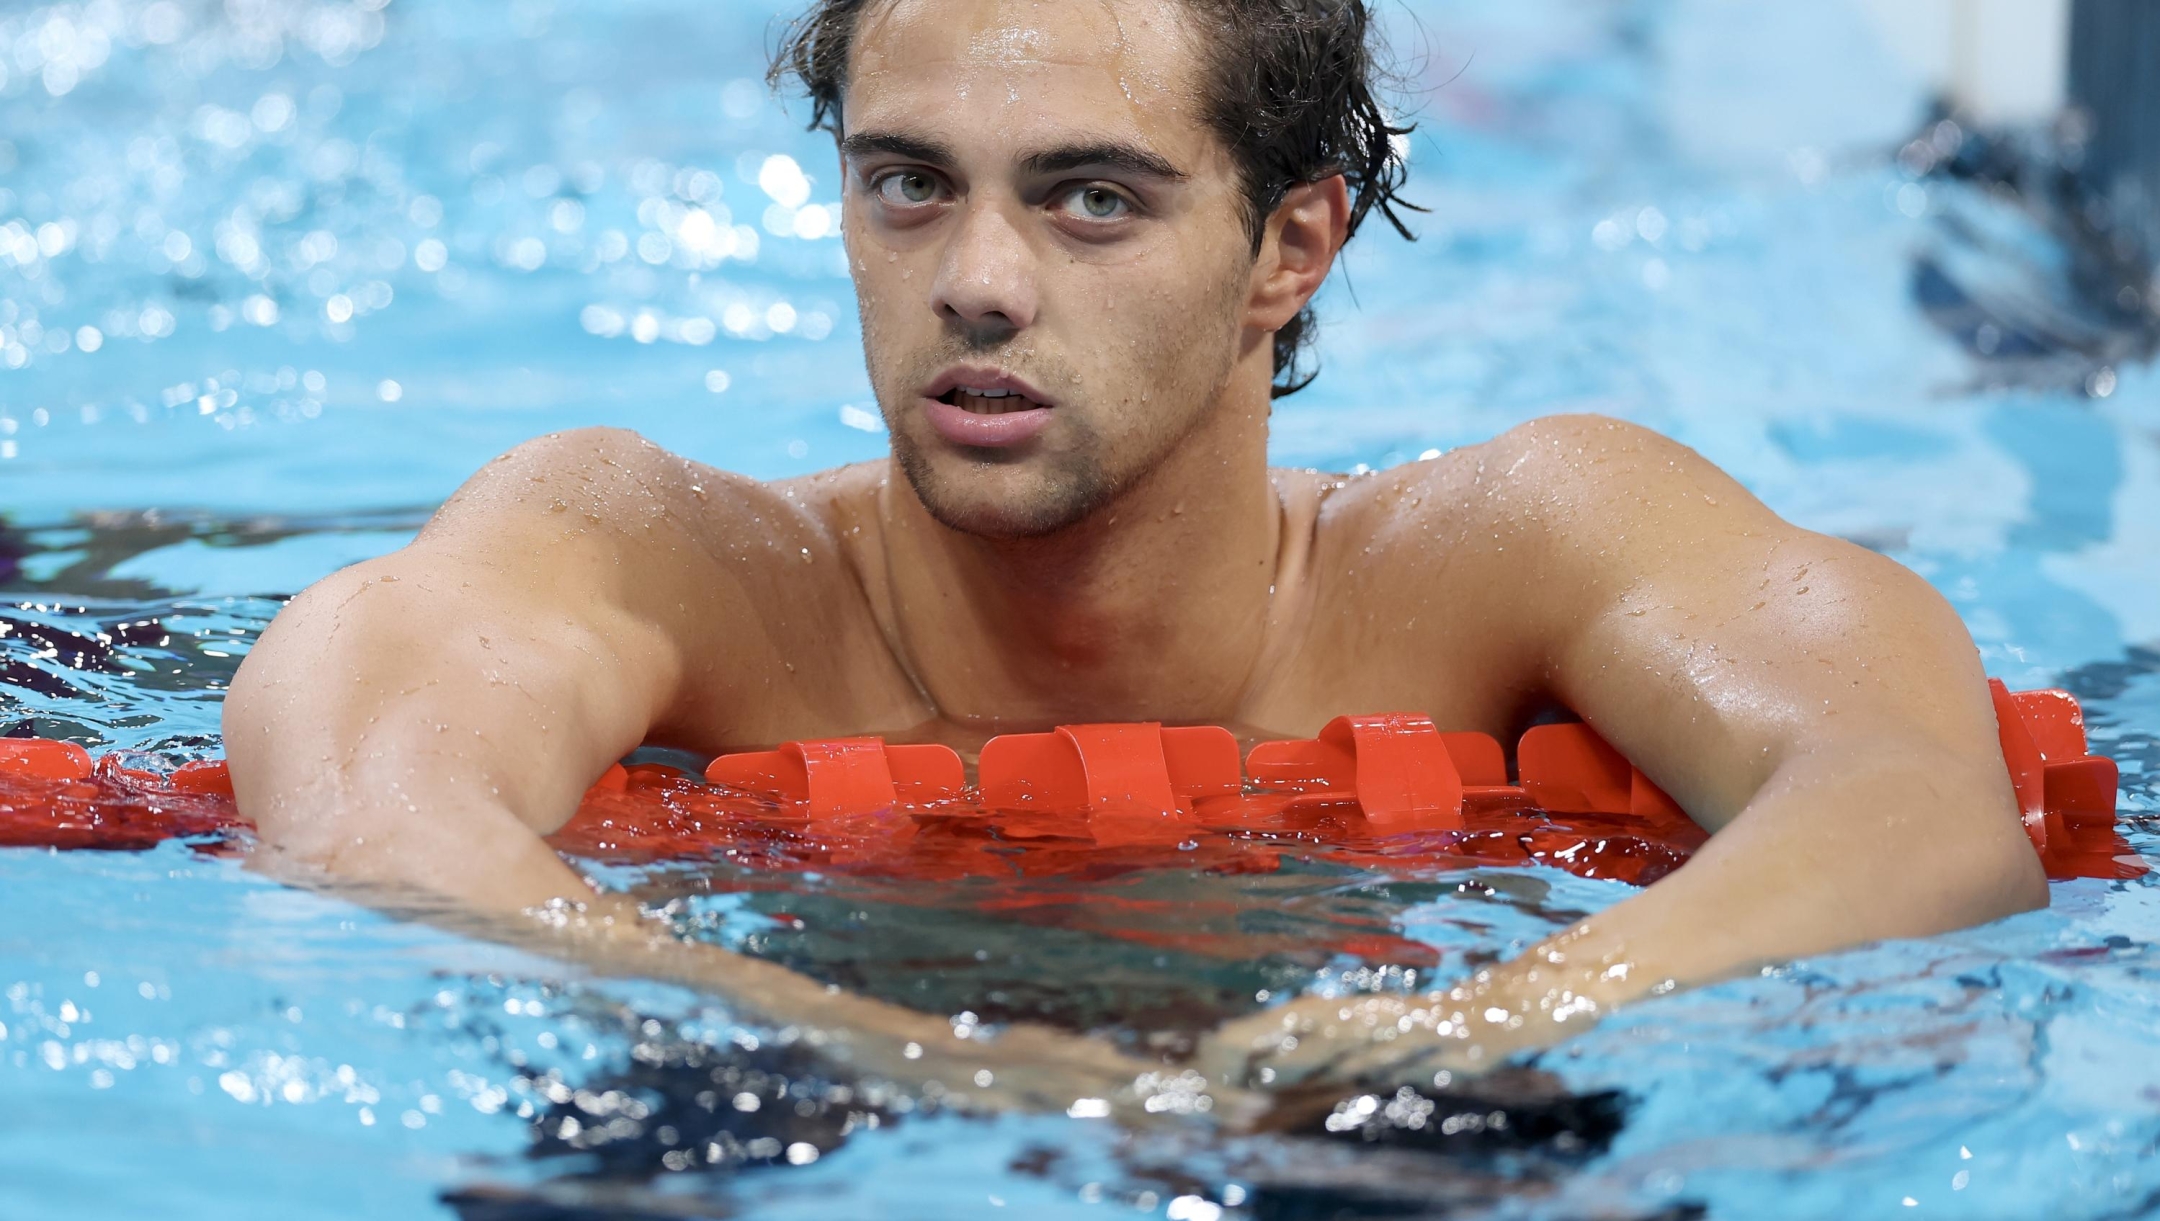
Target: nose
x: 986, y: 276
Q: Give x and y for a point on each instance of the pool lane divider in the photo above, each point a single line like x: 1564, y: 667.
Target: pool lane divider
x: 1367, y: 789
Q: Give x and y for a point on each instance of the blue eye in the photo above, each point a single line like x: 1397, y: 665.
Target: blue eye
x: 1098, y: 203
x: 906, y: 188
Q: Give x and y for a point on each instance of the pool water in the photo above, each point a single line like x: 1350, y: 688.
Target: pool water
x: 275, y: 276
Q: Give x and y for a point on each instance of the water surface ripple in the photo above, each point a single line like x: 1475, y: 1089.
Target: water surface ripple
x: 275, y: 275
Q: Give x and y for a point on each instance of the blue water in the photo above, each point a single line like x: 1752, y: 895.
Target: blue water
x: 336, y: 255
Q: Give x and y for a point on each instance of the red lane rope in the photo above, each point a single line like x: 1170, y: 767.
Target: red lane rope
x: 1387, y: 791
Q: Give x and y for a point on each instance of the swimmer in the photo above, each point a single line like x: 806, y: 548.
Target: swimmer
x: 1084, y: 238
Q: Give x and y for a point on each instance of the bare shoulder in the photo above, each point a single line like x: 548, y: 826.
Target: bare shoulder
x: 844, y: 498
x: 1544, y: 465
x: 1476, y: 544
x: 613, y: 482
x: 608, y: 496
x: 1566, y: 516
x: 683, y: 529
x: 1543, y: 487
x: 751, y: 581
x: 1565, y: 463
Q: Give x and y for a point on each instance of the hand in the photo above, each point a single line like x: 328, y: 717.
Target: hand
x: 1390, y: 1039
x: 1023, y: 1066
x: 1028, y: 1067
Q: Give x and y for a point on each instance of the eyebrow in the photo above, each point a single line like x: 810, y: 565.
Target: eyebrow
x: 1128, y: 158
x: 896, y: 144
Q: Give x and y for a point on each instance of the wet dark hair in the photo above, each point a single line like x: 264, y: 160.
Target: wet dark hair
x: 1291, y: 92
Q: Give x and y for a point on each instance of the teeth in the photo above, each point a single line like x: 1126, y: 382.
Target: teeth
x: 988, y: 402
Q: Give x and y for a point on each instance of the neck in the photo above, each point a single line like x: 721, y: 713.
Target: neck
x: 1152, y: 608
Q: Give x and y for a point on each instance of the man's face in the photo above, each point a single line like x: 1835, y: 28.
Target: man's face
x: 1048, y: 249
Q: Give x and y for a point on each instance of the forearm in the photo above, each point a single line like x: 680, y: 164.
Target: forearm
x: 487, y: 874
x: 1841, y: 847
x: 1815, y: 706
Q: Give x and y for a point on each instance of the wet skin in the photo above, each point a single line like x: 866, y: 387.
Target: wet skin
x: 1033, y: 207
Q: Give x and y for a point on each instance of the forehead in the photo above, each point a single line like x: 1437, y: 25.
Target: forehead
x: 1013, y: 72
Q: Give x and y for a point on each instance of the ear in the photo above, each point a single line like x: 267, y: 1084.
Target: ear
x: 1296, y: 250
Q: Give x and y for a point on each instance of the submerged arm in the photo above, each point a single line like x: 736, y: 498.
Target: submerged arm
x: 1817, y: 707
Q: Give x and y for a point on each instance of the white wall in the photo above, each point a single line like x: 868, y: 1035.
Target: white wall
x: 2004, y: 61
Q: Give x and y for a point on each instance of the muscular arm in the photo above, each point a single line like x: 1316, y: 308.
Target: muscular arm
x: 408, y: 729
x: 1817, y: 707
x: 462, y: 692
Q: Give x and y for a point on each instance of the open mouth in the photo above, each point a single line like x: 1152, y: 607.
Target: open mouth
x: 985, y: 409
x: 987, y: 402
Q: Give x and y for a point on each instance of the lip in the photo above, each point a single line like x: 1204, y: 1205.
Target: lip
x: 962, y: 427
x: 978, y: 377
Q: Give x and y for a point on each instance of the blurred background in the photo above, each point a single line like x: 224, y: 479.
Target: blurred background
x: 276, y: 275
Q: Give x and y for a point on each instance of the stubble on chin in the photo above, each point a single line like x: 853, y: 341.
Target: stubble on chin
x: 1002, y: 494
x: 1054, y: 492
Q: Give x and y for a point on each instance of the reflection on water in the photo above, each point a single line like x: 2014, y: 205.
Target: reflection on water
x: 665, y: 1137
x: 278, y: 236
x: 276, y: 275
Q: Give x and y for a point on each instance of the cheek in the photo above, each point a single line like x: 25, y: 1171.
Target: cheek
x: 1171, y: 327
x: 884, y: 295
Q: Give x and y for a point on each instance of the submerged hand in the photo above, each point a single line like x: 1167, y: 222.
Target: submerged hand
x: 1023, y: 1066
x: 1388, y: 1039
x: 1020, y: 1067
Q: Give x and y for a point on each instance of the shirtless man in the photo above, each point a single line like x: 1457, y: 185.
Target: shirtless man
x: 1083, y: 238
